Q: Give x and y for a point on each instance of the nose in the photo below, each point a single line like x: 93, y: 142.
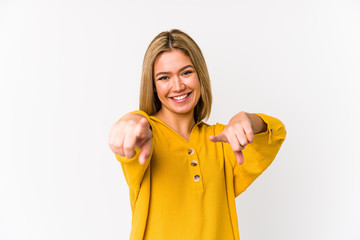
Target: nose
x: 177, y: 84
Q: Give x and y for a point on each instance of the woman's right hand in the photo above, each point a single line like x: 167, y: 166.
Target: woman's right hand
x: 132, y: 130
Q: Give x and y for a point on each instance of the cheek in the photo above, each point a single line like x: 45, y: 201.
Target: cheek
x: 193, y: 82
x: 160, y: 90
x: 198, y: 89
x: 196, y: 85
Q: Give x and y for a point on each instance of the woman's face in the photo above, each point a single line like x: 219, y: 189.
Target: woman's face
x: 176, y: 81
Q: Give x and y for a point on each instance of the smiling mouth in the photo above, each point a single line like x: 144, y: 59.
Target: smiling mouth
x: 181, y: 97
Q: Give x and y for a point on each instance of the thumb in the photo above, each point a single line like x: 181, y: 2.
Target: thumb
x: 145, y: 151
x: 143, y: 129
x: 143, y: 121
x: 219, y: 138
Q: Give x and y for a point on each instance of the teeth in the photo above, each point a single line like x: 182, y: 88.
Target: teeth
x: 180, y: 97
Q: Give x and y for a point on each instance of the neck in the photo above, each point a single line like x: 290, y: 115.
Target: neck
x: 180, y: 123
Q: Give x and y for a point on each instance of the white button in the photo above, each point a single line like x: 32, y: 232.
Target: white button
x: 196, y: 178
x: 191, y: 151
x: 194, y: 163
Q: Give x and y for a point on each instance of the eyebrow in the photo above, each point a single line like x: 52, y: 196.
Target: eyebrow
x: 179, y: 70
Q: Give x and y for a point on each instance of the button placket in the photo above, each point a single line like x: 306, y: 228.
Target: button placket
x: 194, y: 167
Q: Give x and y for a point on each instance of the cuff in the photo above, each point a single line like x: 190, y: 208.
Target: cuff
x: 275, y: 129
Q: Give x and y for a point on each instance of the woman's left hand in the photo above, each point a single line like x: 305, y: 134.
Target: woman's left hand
x: 238, y: 133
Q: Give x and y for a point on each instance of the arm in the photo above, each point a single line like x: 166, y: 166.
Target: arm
x: 258, y: 154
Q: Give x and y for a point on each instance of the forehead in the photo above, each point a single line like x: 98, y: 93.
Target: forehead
x: 171, y: 61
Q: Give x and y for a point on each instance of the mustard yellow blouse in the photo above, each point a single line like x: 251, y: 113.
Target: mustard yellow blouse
x: 187, y: 189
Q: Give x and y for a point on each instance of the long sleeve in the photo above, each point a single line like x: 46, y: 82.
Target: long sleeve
x: 138, y: 179
x: 258, y: 155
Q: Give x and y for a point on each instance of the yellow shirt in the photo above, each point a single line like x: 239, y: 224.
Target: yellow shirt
x: 187, y: 189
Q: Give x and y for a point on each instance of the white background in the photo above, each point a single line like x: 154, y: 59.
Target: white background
x: 70, y: 69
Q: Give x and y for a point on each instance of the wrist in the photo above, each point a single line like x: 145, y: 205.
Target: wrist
x: 257, y: 123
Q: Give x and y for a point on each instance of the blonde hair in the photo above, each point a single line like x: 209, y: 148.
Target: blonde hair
x: 163, y: 42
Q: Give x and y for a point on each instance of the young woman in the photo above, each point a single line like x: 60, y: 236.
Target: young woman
x: 183, y: 174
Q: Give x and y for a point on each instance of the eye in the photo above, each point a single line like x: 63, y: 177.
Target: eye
x: 187, y: 72
x: 163, y: 78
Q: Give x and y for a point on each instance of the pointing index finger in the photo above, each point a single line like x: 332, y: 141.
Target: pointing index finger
x: 239, y: 157
x: 218, y: 138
